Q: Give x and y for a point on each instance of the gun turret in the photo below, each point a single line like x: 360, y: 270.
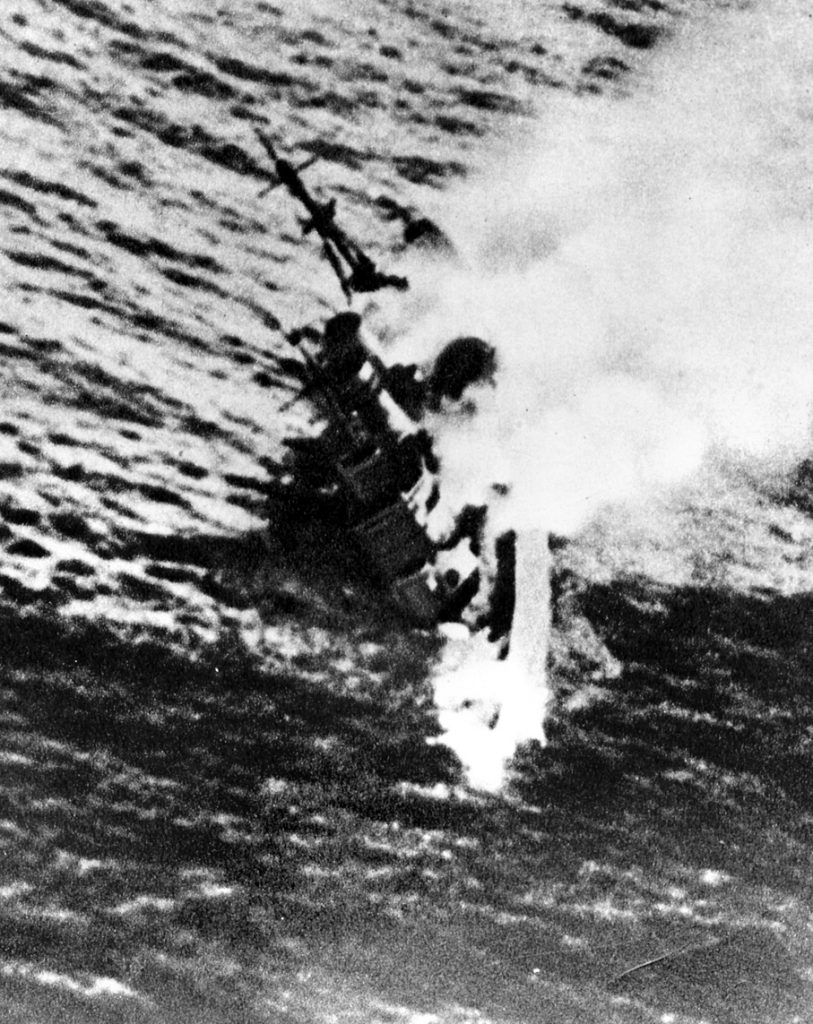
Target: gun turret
x: 355, y: 270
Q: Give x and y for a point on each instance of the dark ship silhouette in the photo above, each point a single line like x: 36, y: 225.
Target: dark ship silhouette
x: 372, y: 460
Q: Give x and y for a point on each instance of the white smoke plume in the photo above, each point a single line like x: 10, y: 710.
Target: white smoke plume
x: 643, y: 267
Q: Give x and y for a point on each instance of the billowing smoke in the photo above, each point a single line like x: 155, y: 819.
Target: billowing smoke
x: 643, y: 267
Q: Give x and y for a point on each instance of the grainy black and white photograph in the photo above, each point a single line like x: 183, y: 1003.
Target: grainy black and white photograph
x: 406, y: 512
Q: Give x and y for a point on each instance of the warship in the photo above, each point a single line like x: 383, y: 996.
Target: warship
x: 371, y: 462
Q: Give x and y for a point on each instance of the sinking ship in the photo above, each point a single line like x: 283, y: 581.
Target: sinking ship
x: 371, y: 457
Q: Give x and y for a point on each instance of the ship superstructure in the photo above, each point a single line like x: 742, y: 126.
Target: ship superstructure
x: 379, y: 463
x: 371, y: 455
